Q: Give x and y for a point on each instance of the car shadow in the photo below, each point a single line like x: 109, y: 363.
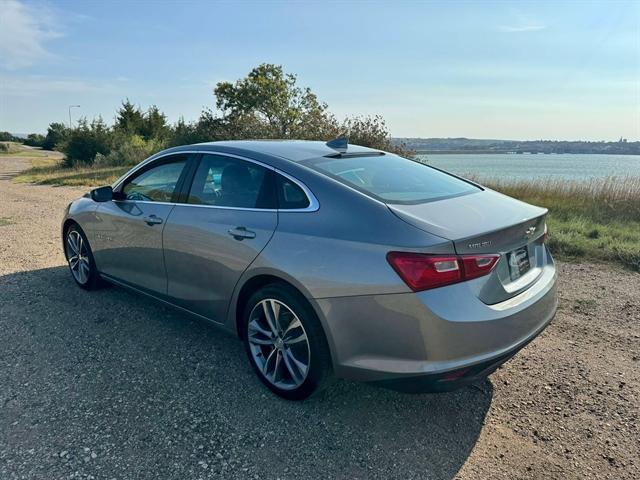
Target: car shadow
x: 151, y: 389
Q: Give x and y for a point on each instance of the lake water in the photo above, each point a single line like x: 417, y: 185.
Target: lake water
x: 575, y: 167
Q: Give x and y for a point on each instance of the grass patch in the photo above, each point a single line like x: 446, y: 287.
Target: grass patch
x: 5, y: 221
x: 51, y: 171
x: 13, y: 149
x: 8, y: 148
x: 595, y: 220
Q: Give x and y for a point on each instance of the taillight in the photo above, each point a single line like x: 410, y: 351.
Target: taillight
x: 545, y: 235
x: 422, y: 272
x: 478, y: 265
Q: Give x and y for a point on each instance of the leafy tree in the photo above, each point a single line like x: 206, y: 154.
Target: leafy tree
x: 34, y: 140
x: 56, y: 134
x: 268, y: 103
x: 271, y: 102
x: 8, y: 137
x: 372, y: 132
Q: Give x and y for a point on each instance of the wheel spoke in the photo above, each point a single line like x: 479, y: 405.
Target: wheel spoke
x: 265, y: 367
x: 268, y: 313
x: 73, y: 261
x: 295, y: 338
x: 71, y: 241
x: 301, y: 366
x: 254, y: 325
x: 275, y: 308
x: 292, y: 368
x: 295, y: 323
x: 274, y: 378
x: 260, y: 341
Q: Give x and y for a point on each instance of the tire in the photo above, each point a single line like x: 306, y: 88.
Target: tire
x: 279, y: 352
x: 83, y: 270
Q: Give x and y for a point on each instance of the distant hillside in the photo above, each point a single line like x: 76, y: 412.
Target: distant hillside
x: 471, y: 145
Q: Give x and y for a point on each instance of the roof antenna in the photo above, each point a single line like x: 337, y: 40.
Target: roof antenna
x: 339, y: 144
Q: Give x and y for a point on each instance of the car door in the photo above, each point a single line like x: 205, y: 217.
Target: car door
x: 227, y: 217
x: 128, y: 235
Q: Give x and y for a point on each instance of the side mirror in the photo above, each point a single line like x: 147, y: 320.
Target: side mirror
x: 102, y: 194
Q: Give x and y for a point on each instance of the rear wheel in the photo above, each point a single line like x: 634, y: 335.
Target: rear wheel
x: 80, y: 259
x: 285, y: 342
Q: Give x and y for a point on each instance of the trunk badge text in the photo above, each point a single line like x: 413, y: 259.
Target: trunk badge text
x: 480, y: 244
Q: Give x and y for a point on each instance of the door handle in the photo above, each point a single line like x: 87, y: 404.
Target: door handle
x: 240, y: 233
x: 153, y: 220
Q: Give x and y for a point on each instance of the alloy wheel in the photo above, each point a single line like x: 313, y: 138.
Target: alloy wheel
x: 78, y: 257
x: 279, y: 344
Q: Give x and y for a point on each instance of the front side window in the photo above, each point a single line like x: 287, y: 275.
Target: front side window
x: 230, y: 182
x: 393, y: 179
x: 156, y: 184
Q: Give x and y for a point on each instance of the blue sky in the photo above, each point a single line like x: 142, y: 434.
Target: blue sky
x: 519, y: 70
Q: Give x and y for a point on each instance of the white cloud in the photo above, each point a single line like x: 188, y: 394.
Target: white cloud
x: 24, y: 34
x: 522, y: 23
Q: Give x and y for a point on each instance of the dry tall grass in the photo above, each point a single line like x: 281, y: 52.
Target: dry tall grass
x: 598, y: 219
x: 600, y: 199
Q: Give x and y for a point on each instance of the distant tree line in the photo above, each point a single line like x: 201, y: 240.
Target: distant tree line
x: 470, y: 145
x: 267, y: 103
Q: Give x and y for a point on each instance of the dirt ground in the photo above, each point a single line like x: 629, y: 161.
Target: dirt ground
x: 108, y: 385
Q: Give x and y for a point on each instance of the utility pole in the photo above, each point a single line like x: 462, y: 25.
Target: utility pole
x: 70, y: 107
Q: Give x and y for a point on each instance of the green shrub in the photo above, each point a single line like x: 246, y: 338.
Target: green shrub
x: 5, y: 147
x: 128, y: 150
x: 8, y: 137
x: 56, y: 135
x: 85, y: 142
x: 34, y: 140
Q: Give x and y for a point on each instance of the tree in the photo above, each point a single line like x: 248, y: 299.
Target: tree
x: 154, y: 124
x: 86, y: 141
x: 270, y: 101
x: 56, y: 134
x: 372, y: 132
x: 129, y: 119
x: 183, y: 133
x: 8, y: 137
x: 34, y: 140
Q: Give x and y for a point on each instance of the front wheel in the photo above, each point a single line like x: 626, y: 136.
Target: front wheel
x: 80, y: 259
x: 285, y: 342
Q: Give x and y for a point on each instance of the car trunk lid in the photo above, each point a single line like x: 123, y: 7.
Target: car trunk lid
x: 488, y: 222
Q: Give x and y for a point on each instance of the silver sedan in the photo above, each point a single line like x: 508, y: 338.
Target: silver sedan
x: 327, y: 260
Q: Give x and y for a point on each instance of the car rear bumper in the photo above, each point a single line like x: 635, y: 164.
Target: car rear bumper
x: 433, y: 340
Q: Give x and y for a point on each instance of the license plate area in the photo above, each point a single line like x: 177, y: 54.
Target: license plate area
x: 519, y: 263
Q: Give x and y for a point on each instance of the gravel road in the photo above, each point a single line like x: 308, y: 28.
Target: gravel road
x: 108, y: 385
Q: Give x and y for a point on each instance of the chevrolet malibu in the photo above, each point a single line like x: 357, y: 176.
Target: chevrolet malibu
x: 325, y: 259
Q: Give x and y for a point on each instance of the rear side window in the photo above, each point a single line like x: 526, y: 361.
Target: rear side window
x: 230, y: 182
x: 290, y: 195
x: 393, y: 179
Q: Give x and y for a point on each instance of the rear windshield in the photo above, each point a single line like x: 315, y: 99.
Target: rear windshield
x: 393, y: 179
